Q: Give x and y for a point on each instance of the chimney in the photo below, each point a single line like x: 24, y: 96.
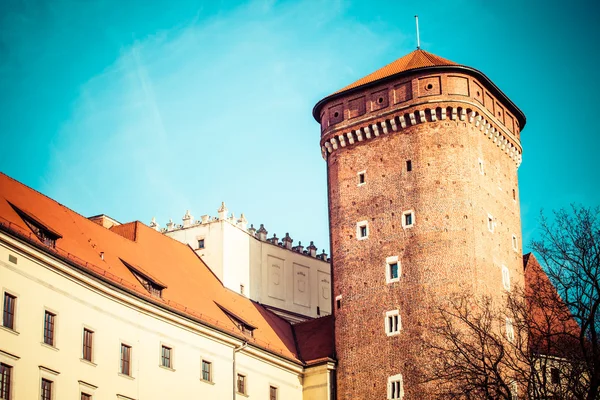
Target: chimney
x: 222, y: 211
x: 154, y: 225
x: 298, y: 248
x: 243, y: 222
x: 170, y: 225
x: 274, y: 239
x: 287, y: 241
x: 204, y: 219
x: 262, y: 233
x: 322, y: 256
x: 252, y: 230
x: 188, y: 220
x: 312, y: 249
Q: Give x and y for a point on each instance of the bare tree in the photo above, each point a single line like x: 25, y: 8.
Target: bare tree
x: 537, y: 342
x: 569, y: 247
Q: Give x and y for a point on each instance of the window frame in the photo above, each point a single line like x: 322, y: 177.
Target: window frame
x: 362, y: 178
x: 359, y: 226
x: 515, y: 246
x: 395, y: 387
x: 84, y: 345
x: 505, y: 278
x: 244, y: 381
x: 491, y: 223
x: 389, y: 261
x: 12, y: 313
x: 210, y: 371
x: 6, y: 370
x: 168, y: 357
x: 273, y: 389
x: 203, y: 240
x: 52, y: 337
x: 127, y: 373
x: 48, y: 390
x: 410, y: 213
x: 510, y: 330
x: 393, y: 318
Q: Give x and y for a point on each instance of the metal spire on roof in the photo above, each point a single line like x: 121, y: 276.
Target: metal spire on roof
x: 418, y: 41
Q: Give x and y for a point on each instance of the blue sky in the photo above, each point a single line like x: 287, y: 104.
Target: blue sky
x: 147, y: 108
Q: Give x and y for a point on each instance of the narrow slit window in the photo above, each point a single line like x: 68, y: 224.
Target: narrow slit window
x: 408, y: 219
x: 408, y: 165
x: 481, y: 171
x: 362, y: 179
x: 272, y: 393
x: 362, y: 230
x: 392, y: 269
x: 510, y: 332
x: 505, y: 278
x: 395, y: 387
x: 5, y: 380
x: 514, y: 243
x: 490, y: 223
x: 393, y: 323
x: 241, y: 383
x: 46, y: 389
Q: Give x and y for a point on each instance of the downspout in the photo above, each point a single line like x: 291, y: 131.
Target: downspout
x: 235, y: 350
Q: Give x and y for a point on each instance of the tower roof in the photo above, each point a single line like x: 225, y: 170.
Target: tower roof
x: 414, y: 60
x: 417, y: 60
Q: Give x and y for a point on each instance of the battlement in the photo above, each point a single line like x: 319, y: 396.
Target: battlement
x: 241, y: 223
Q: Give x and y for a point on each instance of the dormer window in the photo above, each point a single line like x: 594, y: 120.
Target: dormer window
x: 242, y: 325
x: 45, y: 234
x: 150, y: 284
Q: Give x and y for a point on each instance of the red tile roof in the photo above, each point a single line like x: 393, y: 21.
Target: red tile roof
x: 315, y: 339
x: 553, y: 331
x: 191, y: 289
x: 417, y: 59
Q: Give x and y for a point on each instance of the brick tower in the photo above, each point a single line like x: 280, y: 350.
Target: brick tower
x: 422, y: 159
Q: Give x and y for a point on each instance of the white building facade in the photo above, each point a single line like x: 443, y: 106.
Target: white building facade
x: 292, y: 281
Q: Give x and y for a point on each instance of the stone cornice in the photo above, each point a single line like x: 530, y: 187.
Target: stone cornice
x: 401, y: 119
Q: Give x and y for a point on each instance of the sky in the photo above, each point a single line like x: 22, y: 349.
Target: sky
x: 140, y: 108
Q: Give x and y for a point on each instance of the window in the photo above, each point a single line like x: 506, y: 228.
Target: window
x: 514, y: 387
x: 8, y: 316
x: 206, y: 371
x: 241, y: 289
x: 49, y: 328
x: 505, y: 278
x: 46, y: 389
x: 514, y: 195
x: 510, y: 332
x: 12, y: 259
x: 514, y: 243
x: 362, y: 230
x: 393, y: 324
x: 200, y: 243
x: 338, y: 301
x: 490, y: 223
x: 85, y: 396
x: 241, y: 383
x: 392, y: 267
x: 151, y: 285
x: 481, y: 166
x: 395, y: 388
x: 555, y: 376
x: 408, y: 165
x: 5, y: 381
x: 361, y: 178
x: 88, y: 337
x: 125, y: 359
x: 165, y: 357
x: 408, y: 219
x: 272, y: 393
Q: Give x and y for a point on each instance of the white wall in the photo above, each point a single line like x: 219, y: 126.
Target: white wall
x: 79, y: 301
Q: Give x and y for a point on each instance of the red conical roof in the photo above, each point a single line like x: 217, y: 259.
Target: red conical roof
x: 417, y: 59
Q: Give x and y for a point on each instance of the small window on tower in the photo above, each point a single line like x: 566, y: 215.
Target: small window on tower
x: 362, y: 230
x: 408, y: 165
x: 481, y: 166
x: 393, y: 323
x: 395, y: 387
x: 200, y: 243
x: 338, y: 301
x: 514, y: 195
x: 510, y: 332
x: 514, y: 243
x: 490, y: 223
x: 392, y: 269
x: 505, y: 278
x: 362, y: 178
x: 408, y: 219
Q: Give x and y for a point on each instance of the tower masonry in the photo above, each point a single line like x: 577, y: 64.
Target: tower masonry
x: 422, y: 159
